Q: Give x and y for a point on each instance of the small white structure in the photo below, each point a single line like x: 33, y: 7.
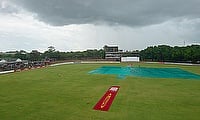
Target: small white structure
x: 18, y: 60
x: 130, y: 59
x: 3, y: 61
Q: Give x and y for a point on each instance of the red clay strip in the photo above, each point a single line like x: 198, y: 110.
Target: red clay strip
x: 105, y: 102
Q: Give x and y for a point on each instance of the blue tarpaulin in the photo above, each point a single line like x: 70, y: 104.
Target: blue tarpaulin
x: 122, y: 72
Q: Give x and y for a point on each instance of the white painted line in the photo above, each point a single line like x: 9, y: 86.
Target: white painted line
x: 61, y: 64
x: 4, y: 72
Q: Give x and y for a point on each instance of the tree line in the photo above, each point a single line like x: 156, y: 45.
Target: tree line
x: 52, y: 54
x: 160, y: 53
x: 164, y: 53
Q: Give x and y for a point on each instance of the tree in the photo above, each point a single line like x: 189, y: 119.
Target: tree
x: 35, y: 55
x: 21, y: 54
x: 51, y: 49
x: 50, y: 53
x: 175, y: 54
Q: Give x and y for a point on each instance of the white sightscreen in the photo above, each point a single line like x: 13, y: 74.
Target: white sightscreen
x: 130, y: 59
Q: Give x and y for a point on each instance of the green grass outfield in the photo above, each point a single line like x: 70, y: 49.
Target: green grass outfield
x: 68, y: 92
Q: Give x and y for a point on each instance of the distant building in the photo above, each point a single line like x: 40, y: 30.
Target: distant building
x: 111, y: 48
x: 113, y: 53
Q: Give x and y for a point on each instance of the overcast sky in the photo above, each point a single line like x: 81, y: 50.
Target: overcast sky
x: 71, y: 25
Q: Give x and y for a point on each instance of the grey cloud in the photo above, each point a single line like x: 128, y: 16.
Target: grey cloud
x: 125, y: 12
x: 7, y: 8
